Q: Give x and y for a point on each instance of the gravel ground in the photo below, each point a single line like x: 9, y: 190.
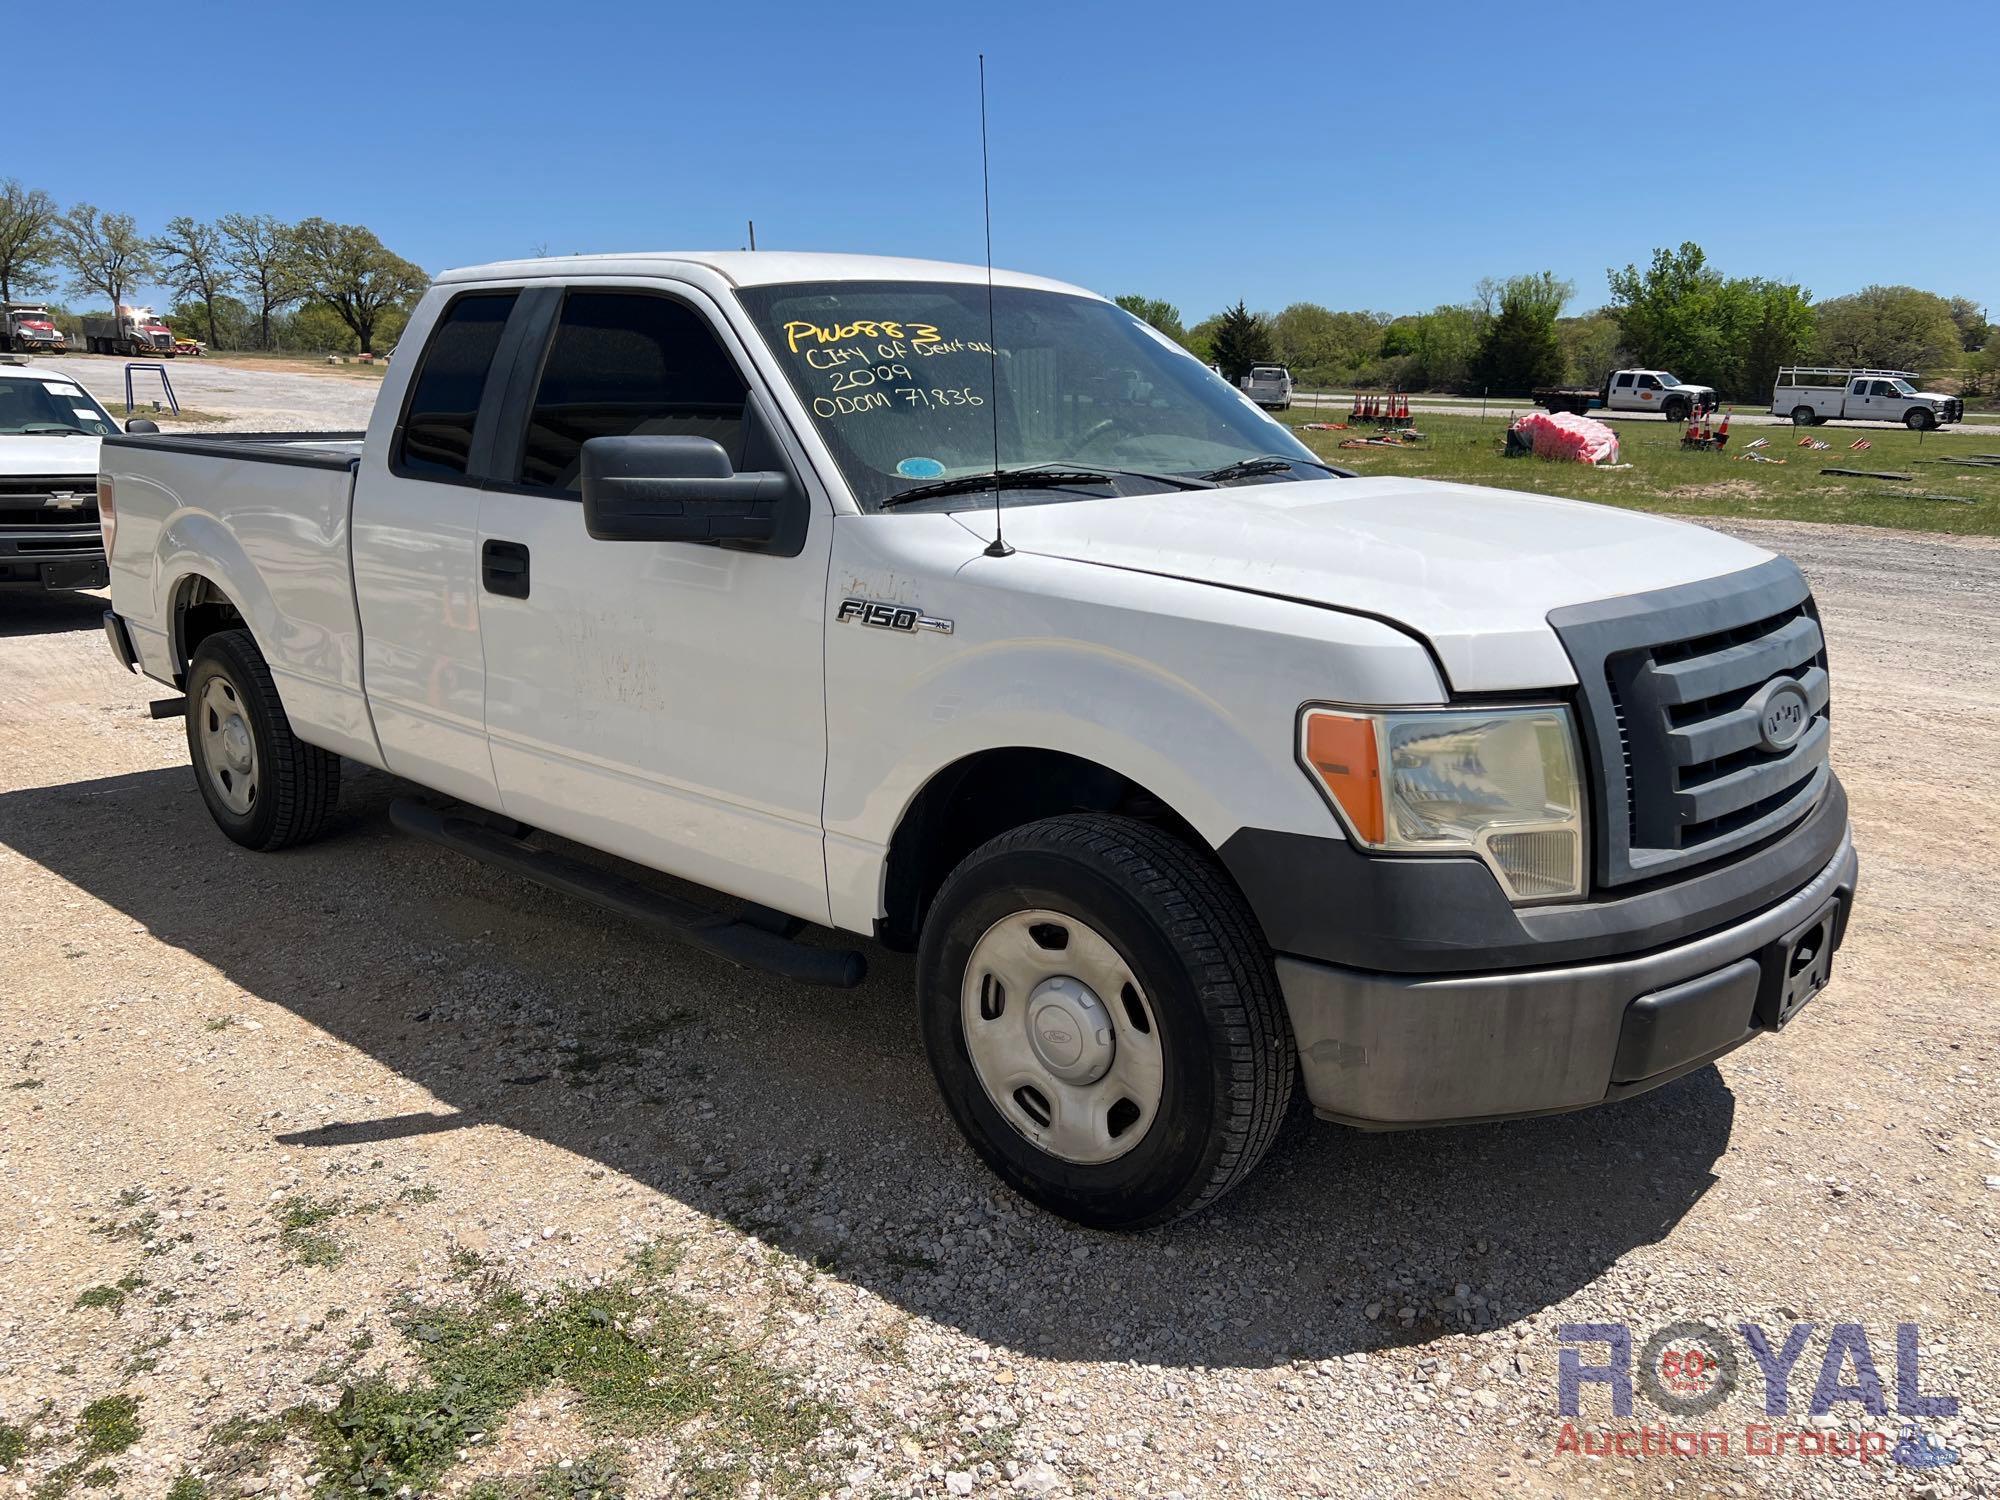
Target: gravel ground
x: 268, y: 1119
x: 290, y: 397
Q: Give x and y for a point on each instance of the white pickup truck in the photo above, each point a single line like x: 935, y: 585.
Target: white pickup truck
x: 1192, y: 768
x: 1811, y: 395
x: 1632, y: 390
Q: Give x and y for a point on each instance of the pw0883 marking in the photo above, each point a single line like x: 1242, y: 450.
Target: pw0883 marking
x: 904, y: 617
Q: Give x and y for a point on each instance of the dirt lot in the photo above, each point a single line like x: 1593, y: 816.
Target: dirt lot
x: 362, y: 1165
x: 249, y: 393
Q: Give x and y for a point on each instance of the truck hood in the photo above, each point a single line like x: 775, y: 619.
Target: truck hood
x: 24, y: 453
x: 1702, y: 390
x: 1474, y: 571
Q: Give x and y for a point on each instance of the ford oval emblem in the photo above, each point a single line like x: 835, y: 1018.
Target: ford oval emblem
x: 1783, y: 712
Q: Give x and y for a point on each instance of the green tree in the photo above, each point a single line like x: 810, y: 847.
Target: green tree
x: 1443, y: 342
x: 1241, y: 339
x: 229, y: 319
x: 347, y: 270
x: 1669, y: 315
x: 1201, y: 338
x: 190, y: 261
x: 1519, y: 349
x: 1683, y: 315
x: 1890, y: 328
x: 264, y: 257
x: 1157, y: 311
x: 1589, y: 347
x: 105, y: 252
x: 1323, y: 345
x: 1772, y: 325
x: 27, y: 240
x: 1974, y: 332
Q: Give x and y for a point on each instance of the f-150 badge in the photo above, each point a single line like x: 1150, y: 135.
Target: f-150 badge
x: 904, y: 617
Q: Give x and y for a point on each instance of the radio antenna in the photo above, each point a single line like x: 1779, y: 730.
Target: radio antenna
x: 998, y: 546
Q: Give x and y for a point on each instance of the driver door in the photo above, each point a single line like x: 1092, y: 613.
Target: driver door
x: 660, y: 700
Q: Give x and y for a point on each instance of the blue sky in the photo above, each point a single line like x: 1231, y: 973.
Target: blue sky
x: 1383, y: 157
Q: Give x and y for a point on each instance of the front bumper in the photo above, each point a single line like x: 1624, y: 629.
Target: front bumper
x: 1385, y: 1051
x: 65, y: 558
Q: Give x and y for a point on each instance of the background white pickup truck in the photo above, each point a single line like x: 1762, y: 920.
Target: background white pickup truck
x: 1218, y: 772
x: 1812, y: 395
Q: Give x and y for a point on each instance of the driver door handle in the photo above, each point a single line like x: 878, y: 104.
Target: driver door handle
x: 503, y: 568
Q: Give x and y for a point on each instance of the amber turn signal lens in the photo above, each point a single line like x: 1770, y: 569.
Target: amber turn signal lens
x: 1342, y: 753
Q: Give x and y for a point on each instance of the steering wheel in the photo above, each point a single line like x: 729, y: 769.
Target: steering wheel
x: 1100, y: 429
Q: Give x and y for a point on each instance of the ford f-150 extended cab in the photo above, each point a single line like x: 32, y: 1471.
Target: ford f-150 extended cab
x: 1192, y: 769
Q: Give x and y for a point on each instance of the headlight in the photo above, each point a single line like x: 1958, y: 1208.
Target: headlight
x: 1500, y: 783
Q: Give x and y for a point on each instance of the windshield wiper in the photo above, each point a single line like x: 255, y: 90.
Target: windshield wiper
x: 1005, y: 479
x: 51, y: 429
x: 1264, y: 463
x: 1055, y: 474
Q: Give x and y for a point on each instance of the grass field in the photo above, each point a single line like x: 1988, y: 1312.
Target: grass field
x: 1665, y: 477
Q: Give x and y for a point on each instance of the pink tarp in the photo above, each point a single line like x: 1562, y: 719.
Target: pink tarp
x: 1566, y: 436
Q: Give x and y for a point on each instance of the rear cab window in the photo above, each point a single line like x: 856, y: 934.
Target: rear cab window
x: 435, y: 440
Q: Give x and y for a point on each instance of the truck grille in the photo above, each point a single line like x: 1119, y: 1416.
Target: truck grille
x: 1674, y: 687
x: 51, y: 500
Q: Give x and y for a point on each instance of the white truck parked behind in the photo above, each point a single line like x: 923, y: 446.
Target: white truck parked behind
x: 49, y: 432
x: 1192, y: 769
x: 1270, y: 386
x: 1810, y: 395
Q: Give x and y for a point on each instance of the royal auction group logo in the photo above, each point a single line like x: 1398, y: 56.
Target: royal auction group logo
x: 1687, y: 1370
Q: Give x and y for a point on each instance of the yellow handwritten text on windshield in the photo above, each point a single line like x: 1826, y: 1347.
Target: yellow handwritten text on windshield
x: 803, y: 334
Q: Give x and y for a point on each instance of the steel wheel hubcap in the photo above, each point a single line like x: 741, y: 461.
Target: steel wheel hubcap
x: 1062, y: 1036
x: 229, y: 749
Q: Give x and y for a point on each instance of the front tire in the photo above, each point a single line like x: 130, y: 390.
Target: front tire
x: 265, y: 788
x: 1675, y: 411
x: 1920, y: 419
x: 1103, y: 1019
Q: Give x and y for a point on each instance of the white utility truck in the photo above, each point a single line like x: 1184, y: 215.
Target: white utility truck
x: 1192, y: 769
x: 1632, y: 390
x: 1270, y: 386
x: 1810, y: 395
x: 49, y: 431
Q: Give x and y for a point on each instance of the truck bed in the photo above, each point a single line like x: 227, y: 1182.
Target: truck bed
x: 263, y: 518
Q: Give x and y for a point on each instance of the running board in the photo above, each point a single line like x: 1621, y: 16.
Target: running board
x: 744, y: 941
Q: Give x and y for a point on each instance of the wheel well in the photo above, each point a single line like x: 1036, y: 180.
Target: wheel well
x: 981, y: 797
x: 200, y: 609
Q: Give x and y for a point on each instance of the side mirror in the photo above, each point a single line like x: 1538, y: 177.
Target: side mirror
x: 142, y: 424
x: 653, y: 488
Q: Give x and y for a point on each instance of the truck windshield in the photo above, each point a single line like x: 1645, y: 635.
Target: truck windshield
x: 1903, y: 388
x: 901, y: 383
x: 52, y: 409
x: 1667, y: 379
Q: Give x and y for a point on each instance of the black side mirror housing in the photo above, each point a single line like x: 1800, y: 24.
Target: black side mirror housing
x: 142, y: 424
x: 652, y: 488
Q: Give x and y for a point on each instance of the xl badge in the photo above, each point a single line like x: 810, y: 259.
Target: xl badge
x: 904, y: 617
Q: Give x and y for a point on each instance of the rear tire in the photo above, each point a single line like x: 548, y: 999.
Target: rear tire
x: 265, y: 788
x: 1160, y: 1064
x: 1804, y: 416
x: 1920, y: 419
